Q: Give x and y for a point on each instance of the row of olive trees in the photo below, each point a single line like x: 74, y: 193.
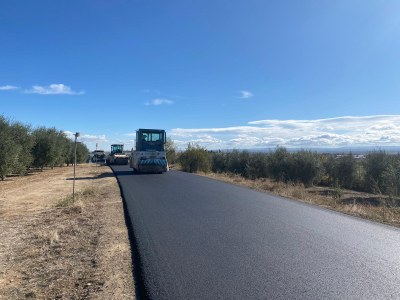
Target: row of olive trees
x: 378, y: 173
x: 280, y: 165
x: 22, y: 148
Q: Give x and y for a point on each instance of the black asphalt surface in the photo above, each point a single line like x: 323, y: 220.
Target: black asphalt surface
x: 199, y: 238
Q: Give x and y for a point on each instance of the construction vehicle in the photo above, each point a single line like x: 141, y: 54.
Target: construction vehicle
x: 98, y: 156
x: 149, y: 156
x: 117, y: 155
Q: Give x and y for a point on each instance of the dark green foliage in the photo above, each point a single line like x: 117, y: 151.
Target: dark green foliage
x: 376, y: 164
x: 69, y: 153
x: 15, y: 146
x: 195, y: 158
x: 46, y: 151
x: 52, y: 148
x: 337, y: 192
x: 257, y: 166
x: 238, y: 161
x: 20, y: 148
x: 170, y: 149
x: 391, y: 185
x: 345, y: 170
x: 279, y: 164
x: 378, y: 173
x: 382, y: 172
x: 305, y: 167
x: 24, y: 142
x: 82, y: 153
x: 249, y: 165
x: 329, y: 167
x: 7, y: 149
x: 219, y: 162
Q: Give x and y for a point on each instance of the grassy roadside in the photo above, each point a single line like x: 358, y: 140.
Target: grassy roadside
x: 367, y: 206
x: 57, y: 249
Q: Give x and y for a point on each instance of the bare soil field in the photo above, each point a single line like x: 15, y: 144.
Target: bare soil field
x: 52, y: 248
x: 363, y: 205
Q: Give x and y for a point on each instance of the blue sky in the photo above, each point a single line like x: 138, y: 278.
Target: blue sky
x: 225, y: 74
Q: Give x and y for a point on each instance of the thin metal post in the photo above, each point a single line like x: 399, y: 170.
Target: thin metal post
x: 73, y: 185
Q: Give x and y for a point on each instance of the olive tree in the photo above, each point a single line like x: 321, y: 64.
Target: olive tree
x: 24, y: 142
x: 170, y: 149
x: 305, y: 167
x: 195, y: 158
x: 7, y: 149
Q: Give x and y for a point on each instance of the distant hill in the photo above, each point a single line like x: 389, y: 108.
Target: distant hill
x: 354, y: 150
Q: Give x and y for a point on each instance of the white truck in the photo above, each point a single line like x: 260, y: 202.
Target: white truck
x: 150, y: 155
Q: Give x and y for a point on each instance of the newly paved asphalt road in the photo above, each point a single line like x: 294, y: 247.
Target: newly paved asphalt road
x: 199, y: 238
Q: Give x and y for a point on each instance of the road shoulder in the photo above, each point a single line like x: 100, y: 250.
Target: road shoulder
x: 53, y: 248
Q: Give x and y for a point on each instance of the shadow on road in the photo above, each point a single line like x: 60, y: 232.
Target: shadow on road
x: 123, y: 173
x: 102, y: 175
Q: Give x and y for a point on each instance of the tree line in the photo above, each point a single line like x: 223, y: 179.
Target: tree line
x: 378, y: 172
x: 22, y: 148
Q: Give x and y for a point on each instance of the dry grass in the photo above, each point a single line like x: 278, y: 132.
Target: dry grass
x: 57, y: 249
x: 358, y: 204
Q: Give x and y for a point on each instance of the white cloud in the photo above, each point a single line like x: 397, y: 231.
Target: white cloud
x: 53, y: 89
x: 160, y: 101
x: 87, y: 137
x: 379, y: 130
x: 130, y: 134
x: 373, y: 131
x: 93, y: 138
x: 103, y: 142
x: 8, y: 88
x: 245, y: 95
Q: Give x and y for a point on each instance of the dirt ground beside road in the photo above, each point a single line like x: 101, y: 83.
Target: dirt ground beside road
x: 52, y: 248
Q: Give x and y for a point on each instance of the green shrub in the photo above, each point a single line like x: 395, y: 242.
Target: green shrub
x: 20, y: 148
x: 279, y: 164
x: 219, y: 162
x: 45, y: 152
x: 305, y: 167
x: 170, y: 149
x: 375, y: 165
x: 257, y: 166
x: 345, y: 170
x: 16, y: 143
x: 7, y: 149
x: 194, y: 159
x: 391, y: 180
x: 238, y: 161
